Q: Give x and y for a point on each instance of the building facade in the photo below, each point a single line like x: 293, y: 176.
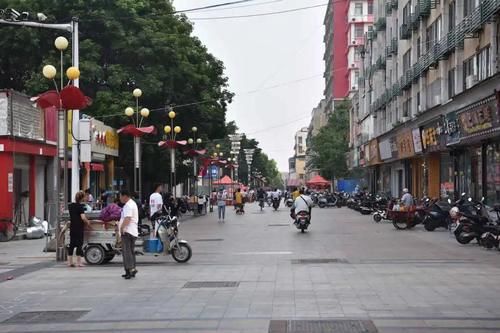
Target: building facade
x: 319, y: 119
x: 346, y: 23
x: 427, y: 109
x: 297, y: 163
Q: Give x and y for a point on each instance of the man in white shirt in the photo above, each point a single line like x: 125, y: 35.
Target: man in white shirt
x: 303, y: 203
x: 155, y: 200
x: 128, y: 228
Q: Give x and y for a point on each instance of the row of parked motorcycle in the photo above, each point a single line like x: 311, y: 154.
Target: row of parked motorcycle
x: 467, y: 219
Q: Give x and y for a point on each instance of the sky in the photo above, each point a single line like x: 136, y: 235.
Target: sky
x: 274, y: 64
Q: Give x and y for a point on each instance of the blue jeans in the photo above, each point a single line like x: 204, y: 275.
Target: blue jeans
x: 222, y: 211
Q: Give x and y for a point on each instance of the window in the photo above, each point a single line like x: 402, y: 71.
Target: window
x: 301, y: 150
x: 470, y: 69
x: 451, y: 83
x: 483, y: 64
x: 433, y: 34
x: 359, y: 30
x: 358, y: 8
x: 370, y: 7
x: 406, y: 61
x: 406, y: 13
x: 451, y: 16
x: 419, y: 107
x: 356, y: 78
x: 419, y: 41
x: 357, y: 54
x: 300, y: 140
x: 406, y: 107
x: 469, y: 6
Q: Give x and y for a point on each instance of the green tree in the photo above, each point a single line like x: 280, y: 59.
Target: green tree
x: 330, y: 146
x: 125, y: 44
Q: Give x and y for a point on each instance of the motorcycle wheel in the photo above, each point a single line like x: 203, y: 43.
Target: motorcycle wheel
x: 182, y: 253
x: 321, y: 205
x: 400, y: 224
x: 302, y: 230
x: 462, y: 239
x: 377, y: 218
x: 429, y: 225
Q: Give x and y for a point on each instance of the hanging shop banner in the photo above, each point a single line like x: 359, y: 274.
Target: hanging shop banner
x: 405, y: 144
x: 417, y: 140
x: 361, y: 154
x: 394, y: 147
x: 385, y: 149
x: 374, y: 153
x: 452, y: 128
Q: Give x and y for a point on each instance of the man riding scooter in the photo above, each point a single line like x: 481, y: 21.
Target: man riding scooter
x: 261, y: 197
x: 301, y: 210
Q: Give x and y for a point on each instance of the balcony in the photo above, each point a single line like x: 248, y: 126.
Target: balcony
x: 415, y: 19
x: 360, y: 19
x: 380, y: 63
x: 404, y: 31
x: 388, y: 8
x: 424, y: 8
x: 394, y: 4
x: 394, y: 45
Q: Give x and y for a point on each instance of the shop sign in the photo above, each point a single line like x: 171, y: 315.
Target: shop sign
x: 105, y: 139
x: 374, y: 153
x: 417, y: 140
x: 478, y: 119
x: 10, y: 182
x: 394, y: 147
x: 433, y: 138
x: 385, y: 149
x: 405, y: 144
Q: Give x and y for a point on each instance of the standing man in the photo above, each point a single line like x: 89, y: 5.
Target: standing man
x: 128, y: 228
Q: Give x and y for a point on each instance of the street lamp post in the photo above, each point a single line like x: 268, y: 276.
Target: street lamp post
x: 249, y: 159
x: 171, y: 132
x: 195, y: 142
x: 144, y: 113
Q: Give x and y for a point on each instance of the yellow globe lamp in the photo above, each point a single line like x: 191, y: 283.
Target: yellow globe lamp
x: 73, y: 73
x: 137, y: 92
x: 61, y: 43
x: 199, y: 141
x: 49, y: 72
x: 145, y: 112
x: 177, y: 129
x: 217, y: 146
x: 194, y: 129
x: 215, y: 154
x: 129, y: 112
x: 167, y: 129
x: 190, y: 141
x: 171, y: 115
x: 221, y: 154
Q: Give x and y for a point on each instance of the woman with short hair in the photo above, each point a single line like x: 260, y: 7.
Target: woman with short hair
x: 76, y: 229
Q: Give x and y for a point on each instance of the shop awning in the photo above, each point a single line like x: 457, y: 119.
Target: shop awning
x: 318, y: 181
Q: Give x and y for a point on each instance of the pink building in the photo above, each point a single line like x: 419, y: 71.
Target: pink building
x: 346, y: 23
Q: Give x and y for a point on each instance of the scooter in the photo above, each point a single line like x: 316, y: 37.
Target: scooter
x: 302, y: 221
x: 289, y: 202
x: 276, y: 203
x: 329, y: 200
x: 437, y: 216
x: 261, y: 204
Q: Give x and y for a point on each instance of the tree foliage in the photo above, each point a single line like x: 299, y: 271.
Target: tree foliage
x: 330, y: 146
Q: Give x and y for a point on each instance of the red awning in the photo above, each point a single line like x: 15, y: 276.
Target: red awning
x: 226, y: 180
x: 318, y: 181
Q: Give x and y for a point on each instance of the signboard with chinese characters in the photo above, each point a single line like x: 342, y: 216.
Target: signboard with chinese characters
x: 385, y: 149
x: 405, y: 144
x: 104, y: 139
x: 394, y: 147
x: 374, y: 153
x: 433, y: 138
x: 480, y: 118
x: 452, y: 128
x: 417, y: 141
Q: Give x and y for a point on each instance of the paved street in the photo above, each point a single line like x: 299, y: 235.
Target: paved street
x: 401, y: 281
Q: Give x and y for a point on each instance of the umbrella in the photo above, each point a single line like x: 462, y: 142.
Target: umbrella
x: 137, y: 131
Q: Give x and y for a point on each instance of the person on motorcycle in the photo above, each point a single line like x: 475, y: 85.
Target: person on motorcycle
x: 295, y: 193
x: 303, y: 203
x: 261, y: 196
x: 407, y: 198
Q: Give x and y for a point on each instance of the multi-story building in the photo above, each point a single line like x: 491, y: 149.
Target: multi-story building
x: 342, y: 53
x: 428, y: 86
x: 319, y: 118
x: 297, y: 163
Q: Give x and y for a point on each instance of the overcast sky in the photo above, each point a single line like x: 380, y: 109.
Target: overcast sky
x: 262, y: 53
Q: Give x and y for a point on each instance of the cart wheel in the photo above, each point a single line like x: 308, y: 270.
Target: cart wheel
x: 95, y: 255
x: 400, y: 224
x: 377, y: 217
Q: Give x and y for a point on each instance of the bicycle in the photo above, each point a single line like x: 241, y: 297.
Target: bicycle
x: 8, y: 230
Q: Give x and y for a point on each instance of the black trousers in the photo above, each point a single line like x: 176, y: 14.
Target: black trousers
x: 128, y: 251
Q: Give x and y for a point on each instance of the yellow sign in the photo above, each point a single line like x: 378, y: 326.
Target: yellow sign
x: 70, y: 128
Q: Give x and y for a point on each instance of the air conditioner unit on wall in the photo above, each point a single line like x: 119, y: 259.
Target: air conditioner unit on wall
x: 437, y: 100
x: 470, y: 81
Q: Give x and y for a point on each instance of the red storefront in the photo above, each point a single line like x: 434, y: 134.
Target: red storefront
x: 27, y: 159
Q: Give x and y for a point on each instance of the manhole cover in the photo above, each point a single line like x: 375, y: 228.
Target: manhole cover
x: 212, y: 284
x: 210, y: 240
x: 42, y: 317
x: 320, y: 261
x: 322, y: 326
x: 279, y: 225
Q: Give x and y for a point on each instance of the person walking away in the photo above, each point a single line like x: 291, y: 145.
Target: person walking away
x: 407, y: 199
x: 201, y: 203
x: 76, y: 229
x: 128, y: 229
x: 303, y: 203
x: 238, y: 198
x: 155, y: 204
x: 221, y: 204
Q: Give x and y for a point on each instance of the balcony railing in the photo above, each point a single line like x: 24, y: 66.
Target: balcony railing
x: 453, y: 39
x: 388, y: 8
x: 404, y: 31
x: 380, y: 24
x: 394, y: 4
x: 424, y: 8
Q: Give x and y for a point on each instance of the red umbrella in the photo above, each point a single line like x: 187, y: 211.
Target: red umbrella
x: 193, y: 152
x: 137, y: 131
x: 172, y: 143
x: 74, y: 99
x: 47, y: 100
x: 318, y: 181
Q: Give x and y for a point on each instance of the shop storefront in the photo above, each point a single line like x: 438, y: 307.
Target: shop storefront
x: 473, y: 134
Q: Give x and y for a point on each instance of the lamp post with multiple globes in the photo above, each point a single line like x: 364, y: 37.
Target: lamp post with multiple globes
x: 137, y: 121
x: 171, y: 132
x: 194, y: 142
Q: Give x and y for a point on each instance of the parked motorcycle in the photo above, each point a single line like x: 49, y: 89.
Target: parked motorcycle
x: 472, y: 220
x: 437, y: 216
x: 168, y: 230
x: 302, y: 220
x: 327, y: 200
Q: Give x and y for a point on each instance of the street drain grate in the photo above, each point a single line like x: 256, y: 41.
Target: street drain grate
x: 45, y: 317
x: 212, y: 284
x: 319, y: 261
x: 209, y: 240
x: 322, y: 326
x: 279, y: 225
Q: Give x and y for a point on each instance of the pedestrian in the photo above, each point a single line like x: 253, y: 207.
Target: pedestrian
x: 221, y: 204
x: 76, y: 229
x: 90, y: 198
x: 201, y: 203
x: 407, y: 199
x: 128, y: 229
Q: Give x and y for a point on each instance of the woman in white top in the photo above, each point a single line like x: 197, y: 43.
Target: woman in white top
x: 221, y: 204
